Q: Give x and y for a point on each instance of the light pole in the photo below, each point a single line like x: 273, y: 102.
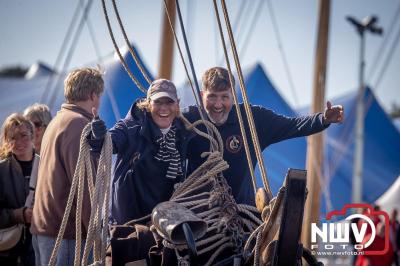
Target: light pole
x: 367, y: 24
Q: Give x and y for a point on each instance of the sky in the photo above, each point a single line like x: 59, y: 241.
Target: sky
x: 33, y: 30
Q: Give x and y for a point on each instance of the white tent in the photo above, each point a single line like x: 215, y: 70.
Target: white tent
x: 391, y: 198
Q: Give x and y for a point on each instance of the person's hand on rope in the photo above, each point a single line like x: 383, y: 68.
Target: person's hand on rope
x: 333, y: 114
x: 98, y: 126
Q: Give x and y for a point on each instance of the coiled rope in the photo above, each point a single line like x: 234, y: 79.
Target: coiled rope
x: 99, y: 198
x: 208, y: 195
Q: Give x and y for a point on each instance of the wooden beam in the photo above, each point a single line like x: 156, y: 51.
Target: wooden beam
x: 167, y: 43
x: 315, y: 142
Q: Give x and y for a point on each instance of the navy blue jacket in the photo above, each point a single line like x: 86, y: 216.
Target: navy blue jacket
x: 271, y: 128
x: 139, y: 181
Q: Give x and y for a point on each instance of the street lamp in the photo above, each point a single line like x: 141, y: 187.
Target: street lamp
x: 367, y: 24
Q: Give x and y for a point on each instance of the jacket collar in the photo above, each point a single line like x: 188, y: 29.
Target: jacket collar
x: 75, y: 108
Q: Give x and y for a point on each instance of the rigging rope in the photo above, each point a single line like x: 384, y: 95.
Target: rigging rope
x: 236, y: 26
x: 249, y: 114
x: 54, y: 92
x: 60, y: 54
x: 237, y: 107
x: 107, y: 89
x: 125, y: 65
x: 196, y: 93
x: 388, y: 58
x: 378, y: 55
x: 128, y: 44
x: 196, y: 96
x: 196, y: 83
x: 252, y: 26
x: 282, y: 52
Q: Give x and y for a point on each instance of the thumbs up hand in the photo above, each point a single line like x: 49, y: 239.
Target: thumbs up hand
x: 333, y: 113
x: 98, y: 126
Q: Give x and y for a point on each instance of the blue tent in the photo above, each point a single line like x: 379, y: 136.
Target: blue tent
x: 120, y: 91
x: 381, y: 151
x: 381, y: 162
x: 382, y: 139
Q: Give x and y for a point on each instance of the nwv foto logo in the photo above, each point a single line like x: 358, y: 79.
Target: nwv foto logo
x: 333, y: 233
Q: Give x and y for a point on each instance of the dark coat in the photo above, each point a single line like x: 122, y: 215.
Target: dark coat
x: 14, y: 188
x: 271, y: 128
x: 139, y: 181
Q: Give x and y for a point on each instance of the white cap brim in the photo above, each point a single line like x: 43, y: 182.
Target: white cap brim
x: 161, y: 94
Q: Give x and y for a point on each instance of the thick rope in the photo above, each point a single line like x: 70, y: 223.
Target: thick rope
x: 216, y: 207
x: 125, y: 65
x: 249, y: 113
x: 97, y: 231
x: 196, y: 94
x: 99, y: 198
x: 71, y: 197
x: 236, y: 101
x: 128, y: 43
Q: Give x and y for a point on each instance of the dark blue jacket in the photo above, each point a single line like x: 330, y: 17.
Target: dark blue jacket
x: 271, y: 128
x: 139, y: 181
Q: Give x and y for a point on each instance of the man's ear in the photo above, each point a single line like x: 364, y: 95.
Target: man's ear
x: 201, y: 92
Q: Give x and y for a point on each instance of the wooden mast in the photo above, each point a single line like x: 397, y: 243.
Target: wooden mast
x: 167, y: 43
x: 315, y: 142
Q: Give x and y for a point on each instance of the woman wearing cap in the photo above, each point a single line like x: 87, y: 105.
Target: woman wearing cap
x: 150, y: 143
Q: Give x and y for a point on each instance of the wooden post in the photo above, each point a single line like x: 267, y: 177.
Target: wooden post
x: 167, y: 43
x: 315, y: 142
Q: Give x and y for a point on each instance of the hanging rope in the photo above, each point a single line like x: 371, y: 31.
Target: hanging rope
x: 99, y: 198
x: 256, y: 16
x: 236, y: 25
x: 60, y: 54
x: 196, y: 83
x: 379, y: 53
x: 282, y: 52
x: 128, y: 44
x: 125, y: 65
x: 235, y: 99
x: 196, y: 93
x: 249, y: 113
x: 54, y: 90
